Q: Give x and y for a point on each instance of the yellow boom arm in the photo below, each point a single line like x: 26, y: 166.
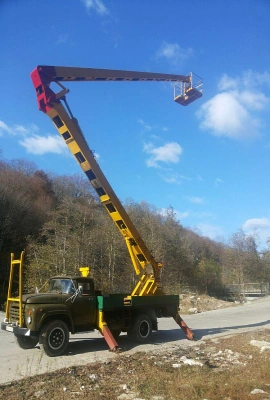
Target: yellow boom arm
x: 56, y: 107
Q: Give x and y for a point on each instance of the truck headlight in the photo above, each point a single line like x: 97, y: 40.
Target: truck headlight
x: 29, y: 318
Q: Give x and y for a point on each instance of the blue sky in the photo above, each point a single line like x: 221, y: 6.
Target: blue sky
x: 209, y: 161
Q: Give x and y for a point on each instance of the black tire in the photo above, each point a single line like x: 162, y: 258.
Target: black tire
x: 26, y: 342
x: 141, y: 328
x: 54, y: 338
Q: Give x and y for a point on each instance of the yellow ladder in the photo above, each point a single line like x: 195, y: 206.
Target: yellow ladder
x: 19, y: 265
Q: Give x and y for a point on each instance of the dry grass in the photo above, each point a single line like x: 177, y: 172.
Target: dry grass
x: 231, y: 369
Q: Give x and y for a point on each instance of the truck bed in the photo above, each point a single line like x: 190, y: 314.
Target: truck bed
x: 117, y: 301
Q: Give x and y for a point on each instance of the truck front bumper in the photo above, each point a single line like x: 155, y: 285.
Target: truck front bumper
x: 17, y: 330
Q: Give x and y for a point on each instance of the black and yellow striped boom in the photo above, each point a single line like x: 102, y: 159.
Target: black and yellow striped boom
x: 55, y: 106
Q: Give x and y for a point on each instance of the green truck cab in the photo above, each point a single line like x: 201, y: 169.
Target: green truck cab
x: 70, y: 304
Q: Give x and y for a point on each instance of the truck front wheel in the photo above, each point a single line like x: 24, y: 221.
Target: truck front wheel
x: 54, y: 338
x: 141, y: 328
x: 26, y: 342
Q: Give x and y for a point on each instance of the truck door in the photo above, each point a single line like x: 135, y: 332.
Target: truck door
x: 84, y: 307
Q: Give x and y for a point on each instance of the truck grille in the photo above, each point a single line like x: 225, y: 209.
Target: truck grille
x: 14, y: 314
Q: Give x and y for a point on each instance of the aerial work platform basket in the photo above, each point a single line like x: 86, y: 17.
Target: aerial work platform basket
x: 187, y: 92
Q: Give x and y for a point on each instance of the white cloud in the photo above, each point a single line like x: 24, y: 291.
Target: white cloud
x: 34, y: 143
x: 4, y: 128
x: 253, y: 100
x: 62, y: 39
x: 39, y: 145
x: 20, y: 130
x: 169, y: 153
x: 96, y: 5
x: 17, y: 130
x: 182, y: 215
x: 253, y: 79
x: 196, y: 200
x: 211, y: 231
x: 224, y: 115
x: 179, y: 215
x: 234, y: 111
x: 145, y: 126
x: 173, y: 178
x: 97, y: 156
x: 259, y: 227
x: 249, y: 79
x: 204, y: 214
x: 173, y: 53
x: 218, y: 181
x: 257, y: 223
x: 227, y: 83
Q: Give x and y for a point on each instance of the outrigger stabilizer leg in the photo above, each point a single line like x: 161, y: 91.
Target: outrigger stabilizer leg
x: 187, y: 331
x: 105, y: 331
x: 108, y: 336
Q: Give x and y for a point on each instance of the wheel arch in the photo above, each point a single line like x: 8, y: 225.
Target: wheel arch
x: 62, y: 317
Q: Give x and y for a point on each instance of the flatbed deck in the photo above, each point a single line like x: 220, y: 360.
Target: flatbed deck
x: 117, y: 301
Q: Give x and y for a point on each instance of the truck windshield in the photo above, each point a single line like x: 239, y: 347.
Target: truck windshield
x: 61, y: 286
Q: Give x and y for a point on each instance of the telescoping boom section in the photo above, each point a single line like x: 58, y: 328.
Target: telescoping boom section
x: 187, y: 89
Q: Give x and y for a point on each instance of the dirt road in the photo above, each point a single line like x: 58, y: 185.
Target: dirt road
x: 16, y: 363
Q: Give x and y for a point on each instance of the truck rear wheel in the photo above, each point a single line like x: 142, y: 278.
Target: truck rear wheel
x: 26, y: 342
x: 54, y: 338
x: 141, y: 328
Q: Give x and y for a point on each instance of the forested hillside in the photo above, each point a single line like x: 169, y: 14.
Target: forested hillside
x: 62, y: 226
